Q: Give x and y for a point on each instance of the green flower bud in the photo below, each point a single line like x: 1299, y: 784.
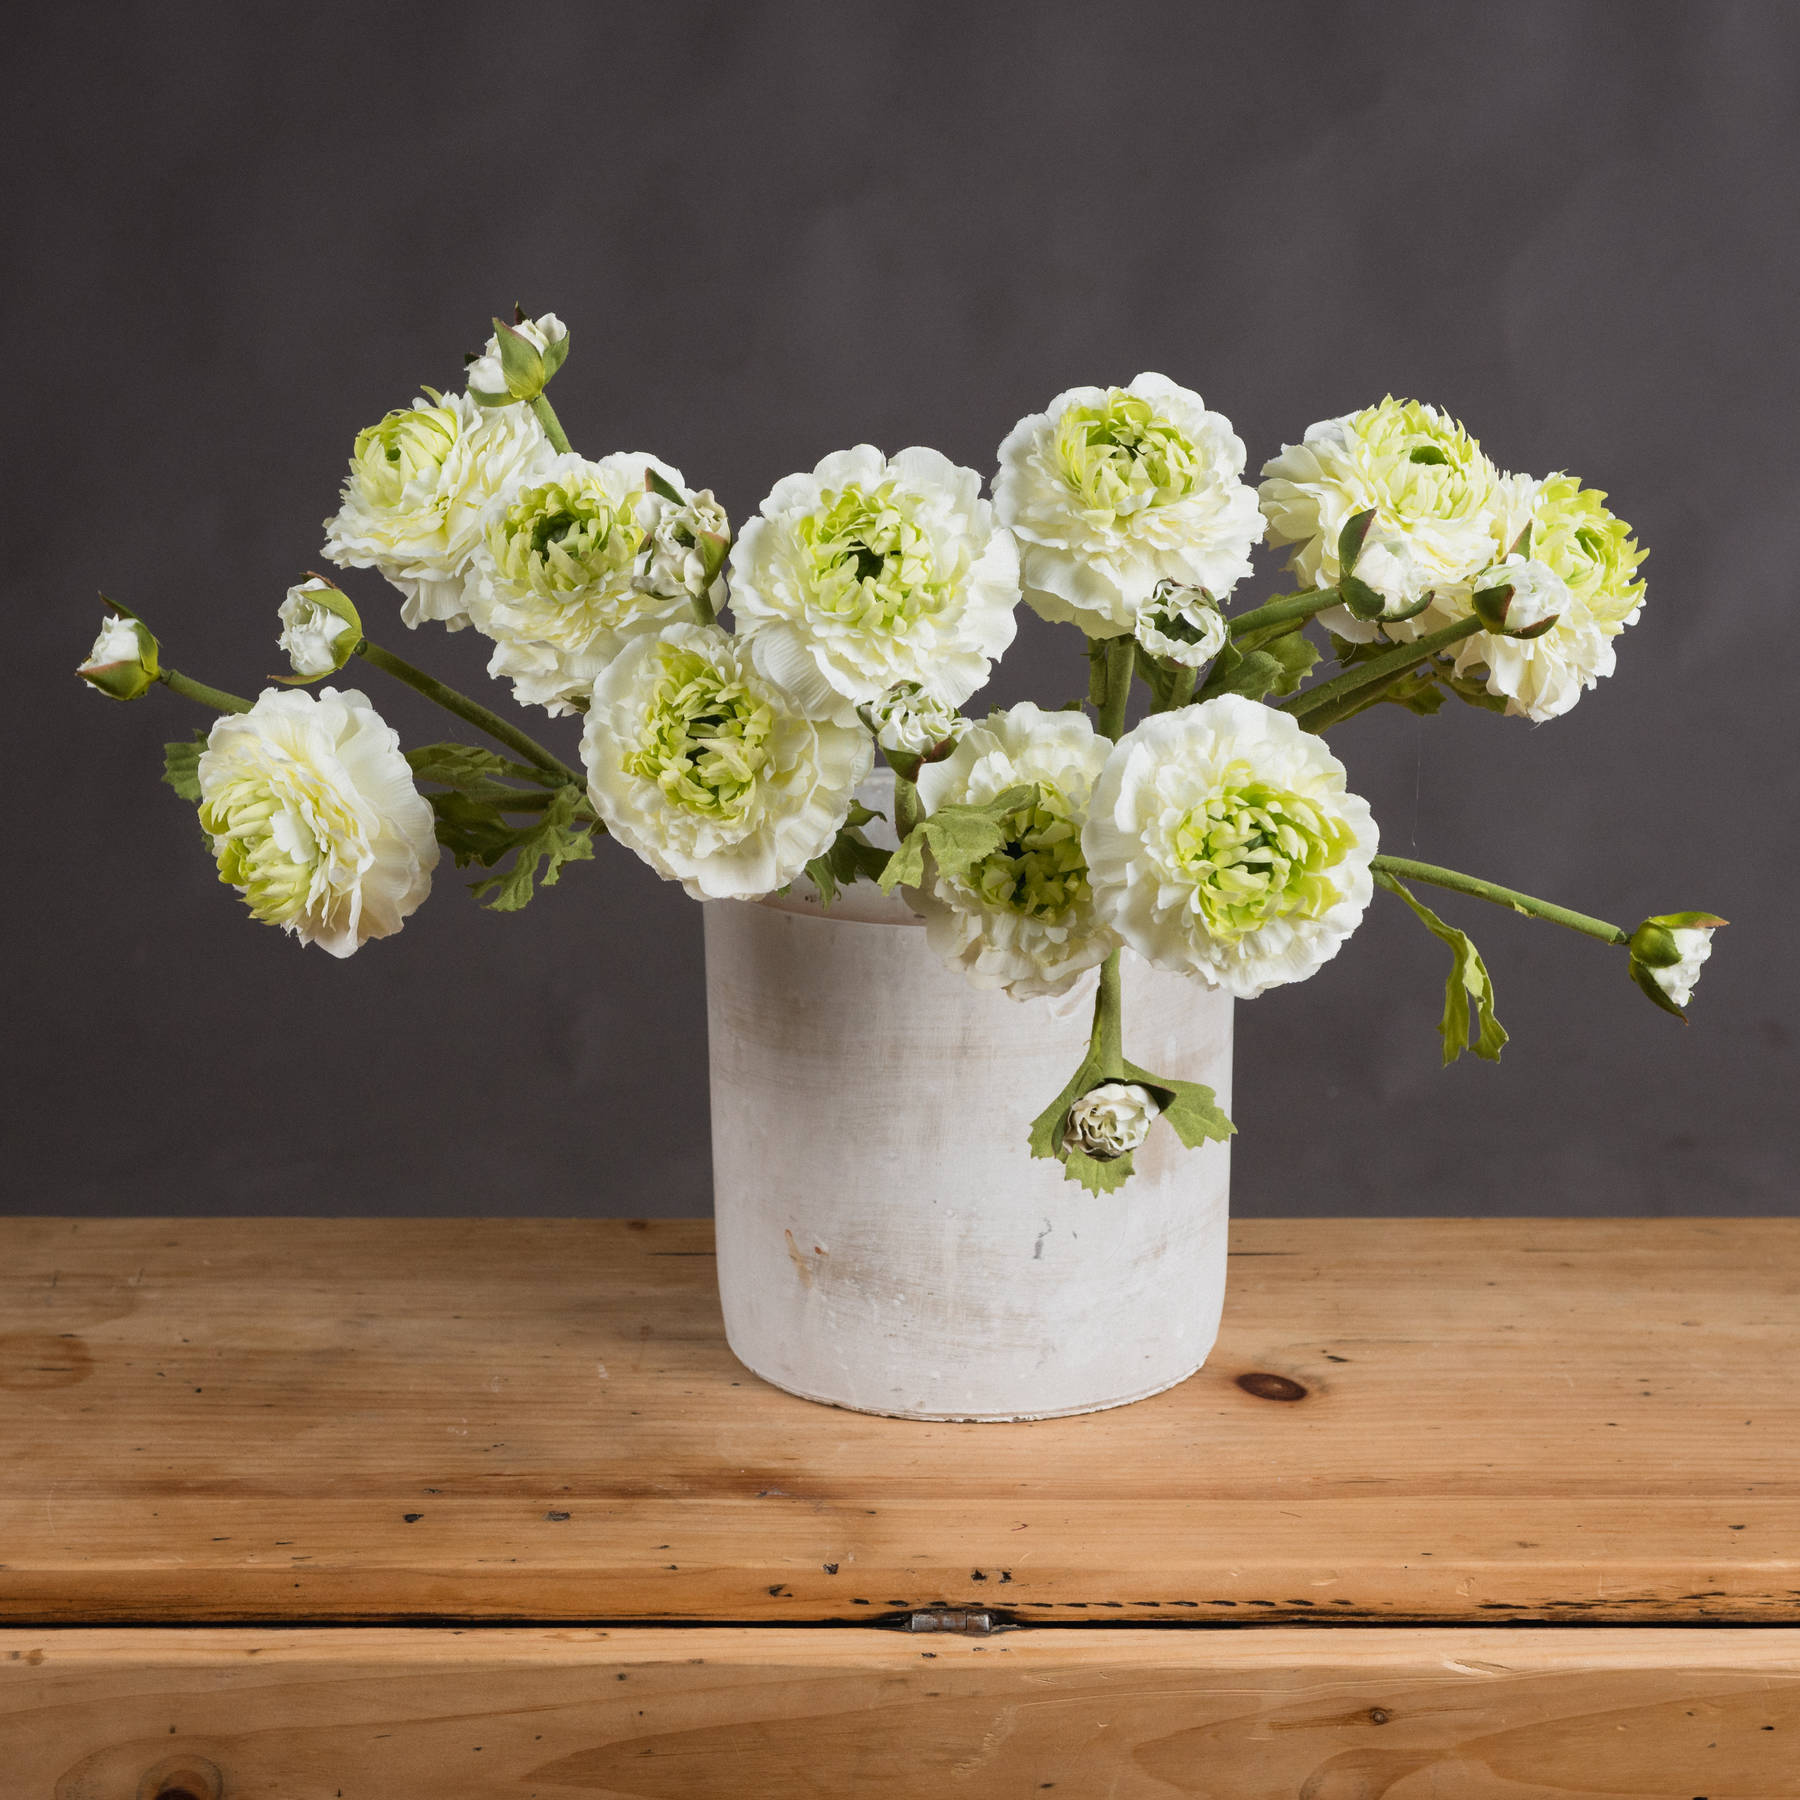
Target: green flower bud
x: 320, y: 629
x: 123, y: 662
x: 1666, y: 955
x: 519, y: 360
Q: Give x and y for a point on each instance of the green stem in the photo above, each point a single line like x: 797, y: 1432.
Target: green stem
x: 189, y: 689
x: 1325, y: 698
x: 1403, y: 868
x: 1108, y: 1039
x: 1121, y: 659
x: 1283, y: 610
x: 470, y: 711
x: 906, y: 806
x: 546, y: 417
x: 1181, y: 691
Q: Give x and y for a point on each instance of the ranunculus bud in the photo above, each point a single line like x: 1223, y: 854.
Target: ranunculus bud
x: 1182, y: 624
x: 518, y: 360
x: 1666, y: 954
x: 320, y: 629
x: 1109, y: 1121
x: 684, y: 551
x: 123, y: 662
x: 1520, y: 597
x: 911, y: 722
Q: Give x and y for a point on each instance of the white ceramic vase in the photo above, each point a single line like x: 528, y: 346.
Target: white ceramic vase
x: 886, y: 1240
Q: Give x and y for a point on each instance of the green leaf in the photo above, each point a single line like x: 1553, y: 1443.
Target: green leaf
x: 1096, y: 1176
x: 1190, y: 1107
x: 181, y: 765
x: 1278, y: 667
x: 552, y: 841
x: 1429, y: 453
x: 1047, y: 1128
x: 1350, y: 539
x: 555, y: 355
x: 1362, y: 600
x: 656, y: 484
x: 1468, y: 985
x: 957, y: 836
x: 850, y: 859
x: 467, y: 766
x: 520, y: 359
x: 471, y: 829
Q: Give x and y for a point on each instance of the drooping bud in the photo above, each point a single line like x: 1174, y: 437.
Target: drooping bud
x: 1109, y: 1121
x: 124, y: 660
x: 320, y: 629
x: 1666, y: 956
x: 518, y: 360
x: 1181, y: 624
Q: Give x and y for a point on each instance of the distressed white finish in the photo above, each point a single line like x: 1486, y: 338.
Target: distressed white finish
x: 886, y: 1241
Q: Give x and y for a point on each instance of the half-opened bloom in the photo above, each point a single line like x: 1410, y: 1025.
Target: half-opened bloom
x: 1023, y: 918
x: 684, y: 550
x: 709, y: 770
x: 492, y: 383
x: 1432, y: 491
x: 319, y: 628
x: 556, y: 581
x: 314, y: 817
x: 1221, y: 841
x: 873, y: 571
x: 1110, y: 1121
x: 420, y: 486
x: 1111, y: 490
x: 911, y: 722
x: 1594, y: 557
x: 1182, y: 624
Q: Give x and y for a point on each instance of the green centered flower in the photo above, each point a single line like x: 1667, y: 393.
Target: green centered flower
x: 562, y: 538
x: 1256, y: 854
x: 705, y: 739
x: 1573, y: 534
x: 868, y: 561
x: 408, y: 446
x: 1039, y: 870
x: 1123, y: 456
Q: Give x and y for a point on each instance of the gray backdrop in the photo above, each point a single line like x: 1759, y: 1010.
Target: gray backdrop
x: 239, y: 233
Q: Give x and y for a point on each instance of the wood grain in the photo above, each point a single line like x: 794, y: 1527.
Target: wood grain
x: 660, y: 1714
x: 1564, y: 1421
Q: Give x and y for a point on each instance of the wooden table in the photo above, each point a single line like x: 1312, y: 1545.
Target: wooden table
x: 427, y: 1510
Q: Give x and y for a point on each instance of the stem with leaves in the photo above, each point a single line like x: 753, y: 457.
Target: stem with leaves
x: 470, y: 711
x: 1331, y: 700
x: 1403, y: 868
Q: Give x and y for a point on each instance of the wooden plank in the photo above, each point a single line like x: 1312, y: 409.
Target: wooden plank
x: 330, y: 1419
x: 660, y: 1714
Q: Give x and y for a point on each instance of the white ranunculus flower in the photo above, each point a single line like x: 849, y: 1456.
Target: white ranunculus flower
x: 1221, y: 842
x: 1111, y: 490
x: 1110, y: 1121
x: 1023, y: 919
x: 1182, y: 624
x: 685, y: 540
x: 420, y: 486
x: 873, y: 571
x: 319, y: 628
x: 710, y: 771
x: 911, y: 722
x: 555, y: 583
x: 487, y: 375
x: 1433, y: 493
x: 1594, y: 557
x: 315, y: 819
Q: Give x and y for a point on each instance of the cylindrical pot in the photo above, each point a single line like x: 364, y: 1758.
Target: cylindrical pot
x: 886, y: 1240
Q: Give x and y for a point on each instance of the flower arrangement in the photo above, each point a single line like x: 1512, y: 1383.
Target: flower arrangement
x: 870, y: 599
